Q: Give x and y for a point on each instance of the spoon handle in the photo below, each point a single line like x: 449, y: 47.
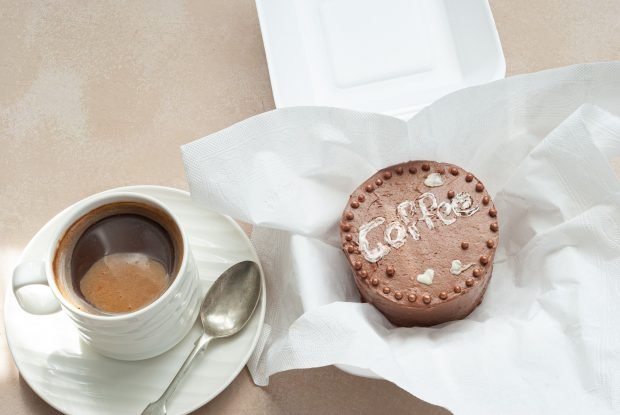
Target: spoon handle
x: 158, y: 407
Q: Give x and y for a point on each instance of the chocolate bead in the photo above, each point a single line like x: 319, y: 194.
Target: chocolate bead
x: 426, y: 299
x: 378, y: 182
x: 345, y: 227
x: 412, y: 298
x: 479, y: 187
x: 357, y: 265
x: 387, y: 175
x: 469, y: 177
x: 469, y: 282
x: 413, y: 170
x: 441, y: 170
x: 390, y: 270
x: 399, y: 170
x: 492, y: 212
x: 494, y: 227
x: 484, y: 259
x: 457, y: 289
x: 490, y: 243
x: 363, y: 274
x: 369, y: 188
x: 454, y: 171
x: 361, y: 198
x: 477, y: 272
x: 398, y: 295
x: 464, y: 245
x: 451, y: 194
x: 374, y: 282
x: 348, y: 237
x: 351, y: 249
x: 386, y: 290
x: 486, y: 200
x: 426, y: 167
x: 443, y: 295
x: 355, y: 204
x: 349, y: 215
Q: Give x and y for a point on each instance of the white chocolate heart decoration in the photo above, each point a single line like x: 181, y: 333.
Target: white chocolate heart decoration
x: 426, y: 277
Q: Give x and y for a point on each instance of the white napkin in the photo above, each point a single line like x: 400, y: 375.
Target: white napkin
x: 546, y: 338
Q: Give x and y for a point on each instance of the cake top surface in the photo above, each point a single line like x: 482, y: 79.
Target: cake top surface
x: 420, y: 230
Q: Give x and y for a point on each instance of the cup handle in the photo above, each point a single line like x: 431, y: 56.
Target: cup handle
x: 31, y: 273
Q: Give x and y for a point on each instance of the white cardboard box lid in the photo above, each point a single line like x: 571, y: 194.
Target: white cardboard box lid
x: 393, y: 56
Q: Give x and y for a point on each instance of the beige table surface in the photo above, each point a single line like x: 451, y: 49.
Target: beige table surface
x: 95, y: 95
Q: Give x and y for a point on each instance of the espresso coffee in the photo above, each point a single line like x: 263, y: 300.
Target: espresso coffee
x: 118, y: 258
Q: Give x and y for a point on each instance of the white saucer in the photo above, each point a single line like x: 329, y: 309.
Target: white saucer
x: 74, y: 379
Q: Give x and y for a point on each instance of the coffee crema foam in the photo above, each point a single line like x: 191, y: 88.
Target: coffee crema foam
x: 124, y: 282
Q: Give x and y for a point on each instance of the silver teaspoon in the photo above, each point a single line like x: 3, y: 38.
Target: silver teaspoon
x: 226, y: 309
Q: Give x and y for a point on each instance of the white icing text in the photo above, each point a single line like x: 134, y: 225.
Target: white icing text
x: 427, y: 210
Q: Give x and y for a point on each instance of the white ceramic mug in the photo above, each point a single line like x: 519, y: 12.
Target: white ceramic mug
x: 141, y: 334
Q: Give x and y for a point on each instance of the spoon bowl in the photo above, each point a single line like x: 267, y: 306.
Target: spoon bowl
x: 231, y: 300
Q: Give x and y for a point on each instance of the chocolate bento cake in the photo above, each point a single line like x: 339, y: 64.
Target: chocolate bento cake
x: 421, y: 237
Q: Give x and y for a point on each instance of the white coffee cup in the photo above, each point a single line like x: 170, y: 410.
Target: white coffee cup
x: 140, y: 334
